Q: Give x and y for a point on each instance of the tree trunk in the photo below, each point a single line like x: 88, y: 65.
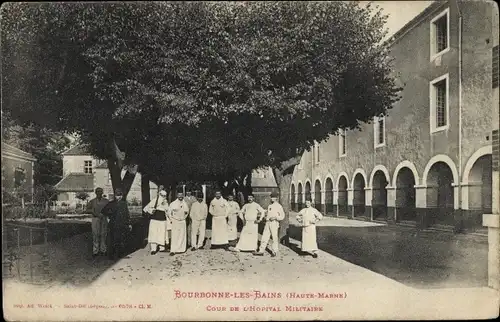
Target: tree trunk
x: 127, y: 181
x: 145, y: 194
x: 284, y: 181
x: 283, y: 176
x: 115, y: 173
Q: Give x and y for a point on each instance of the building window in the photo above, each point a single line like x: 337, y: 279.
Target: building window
x: 379, y: 131
x: 342, y: 143
x: 439, y: 92
x: 87, y: 168
x: 19, y: 177
x: 495, y: 69
x: 440, y: 34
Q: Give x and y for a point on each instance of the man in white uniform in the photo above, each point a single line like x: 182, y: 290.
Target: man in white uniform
x: 308, y: 217
x: 274, y: 215
x: 219, y: 210
x: 190, y: 199
x: 198, y: 215
x: 99, y: 223
x: 178, y: 212
x: 157, y: 234
x: 232, y: 219
x: 250, y: 214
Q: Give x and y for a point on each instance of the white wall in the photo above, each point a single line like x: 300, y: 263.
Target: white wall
x: 75, y: 163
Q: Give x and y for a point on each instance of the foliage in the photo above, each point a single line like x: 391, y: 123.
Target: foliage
x: 199, y: 90
x: 82, y: 195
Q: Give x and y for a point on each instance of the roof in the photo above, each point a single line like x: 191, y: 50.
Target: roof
x: 80, y: 149
x: 9, y: 150
x: 412, y: 23
x: 263, y: 178
x: 103, y: 165
x: 76, y: 182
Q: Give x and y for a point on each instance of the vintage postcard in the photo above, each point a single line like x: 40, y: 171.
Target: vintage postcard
x: 185, y: 161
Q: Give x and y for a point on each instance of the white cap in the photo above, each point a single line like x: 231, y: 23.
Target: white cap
x: 163, y: 193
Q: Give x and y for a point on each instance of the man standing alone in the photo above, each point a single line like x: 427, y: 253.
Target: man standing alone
x: 275, y: 214
x: 219, y: 211
x: 99, y: 223
x: 198, y: 215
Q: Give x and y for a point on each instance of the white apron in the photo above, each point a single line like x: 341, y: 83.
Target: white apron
x: 308, y: 217
x: 157, y: 232
x: 249, y: 237
x: 232, y: 231
x: 178, y: 242
x: 219, y: 231
x: 309, y: 243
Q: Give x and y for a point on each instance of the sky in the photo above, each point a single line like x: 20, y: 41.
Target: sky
x: 400, y: 12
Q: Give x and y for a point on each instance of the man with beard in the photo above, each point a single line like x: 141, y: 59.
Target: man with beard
x: 158, y: 235
x: 219, y: 211
x: 99, y: 223
x: 119, y: 225
x: 190, y: 199
x: 250, y: 214
x: 178, y: 212
x: 198, y: 215
x: 274, y: 215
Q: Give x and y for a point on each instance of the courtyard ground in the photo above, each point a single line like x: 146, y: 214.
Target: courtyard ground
x: 124, y: 289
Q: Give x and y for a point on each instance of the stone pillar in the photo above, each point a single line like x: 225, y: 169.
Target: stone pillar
x: 323, y: 201
x: 492, y: 221
x: 350, y: 200
x: 391, y: 204
x: 336, y: 202
x: 368, y: 203
x: 420, y: 205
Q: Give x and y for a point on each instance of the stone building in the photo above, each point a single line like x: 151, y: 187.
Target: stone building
x: 83, y: 173
x: 427, y: 163
x: 17, y: 174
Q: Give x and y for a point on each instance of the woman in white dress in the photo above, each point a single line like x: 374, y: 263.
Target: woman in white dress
x: 307, y: 218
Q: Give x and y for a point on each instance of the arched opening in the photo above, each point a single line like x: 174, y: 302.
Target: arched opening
x: 317, y: 195
x: 342, y: 198
x: 405, y: 196
x: 379, y: 198
x: 358, y: 201
x: 480, y: 190
x: 440, y: 198
x: 329, y: 196
x: 480, y: 184
x: 308, y: 190
x: 299, y: 196
x: 292, y: 196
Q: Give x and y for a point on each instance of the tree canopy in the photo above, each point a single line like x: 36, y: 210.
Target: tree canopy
x: 197, y: 90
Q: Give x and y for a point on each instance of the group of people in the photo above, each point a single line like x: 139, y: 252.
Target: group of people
x: 171, y: 224
x: 113, y: 217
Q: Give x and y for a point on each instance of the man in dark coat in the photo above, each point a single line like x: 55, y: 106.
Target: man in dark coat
x: 119, y: 226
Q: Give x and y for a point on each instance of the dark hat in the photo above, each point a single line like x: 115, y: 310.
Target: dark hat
x: 274, y: 194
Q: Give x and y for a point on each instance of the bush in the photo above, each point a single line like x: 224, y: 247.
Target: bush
x: 31, y: 211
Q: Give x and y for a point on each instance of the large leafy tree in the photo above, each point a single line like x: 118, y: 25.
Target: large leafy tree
x: 198, y: 90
